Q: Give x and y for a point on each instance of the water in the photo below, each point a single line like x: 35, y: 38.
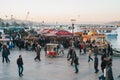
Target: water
x: 115, y: 40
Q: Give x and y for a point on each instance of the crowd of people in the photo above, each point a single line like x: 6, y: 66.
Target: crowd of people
x: 92, y: 49
x: 84, y: 48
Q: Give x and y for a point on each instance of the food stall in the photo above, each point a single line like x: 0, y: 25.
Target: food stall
x: 51, y: 49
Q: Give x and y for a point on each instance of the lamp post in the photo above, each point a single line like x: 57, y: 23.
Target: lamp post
x: 72, y: 20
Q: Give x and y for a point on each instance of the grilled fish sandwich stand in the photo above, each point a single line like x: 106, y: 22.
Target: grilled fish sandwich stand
x: 51, y: 49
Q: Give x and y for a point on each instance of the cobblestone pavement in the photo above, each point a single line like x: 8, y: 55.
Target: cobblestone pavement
x: 51, y: 68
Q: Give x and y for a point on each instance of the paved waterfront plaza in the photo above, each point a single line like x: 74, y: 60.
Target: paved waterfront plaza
x: 51, y: 68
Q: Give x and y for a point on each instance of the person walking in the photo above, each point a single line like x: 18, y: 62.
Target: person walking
x: 20, y: 65
x: 80, y: 50
x: 76, y: 64
x: 5, y: 54
x: 8, y: 53
x: 96, y: 50
x: 61, y: 49
x: 71, y: 55
x: 20, y: 44
x: 45, y: 49
x: 96, y: 64
x: 104, y: 61
x: 109, y: 73
x: 85, y: 48
x: 89, y: 55
x: 58, y: 46
x: 38, y: 50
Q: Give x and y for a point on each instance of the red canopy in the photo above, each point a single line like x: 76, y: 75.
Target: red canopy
x: 63, y: 32
x: 59, y: 33
x: 45, y: 31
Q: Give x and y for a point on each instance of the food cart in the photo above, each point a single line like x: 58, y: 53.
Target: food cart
x: 51, y: 49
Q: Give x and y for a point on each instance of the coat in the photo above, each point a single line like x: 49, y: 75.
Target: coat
x: 96, y: 61
x: 19, y: 62
x: 109, y: 73
x: 76, y: 61
x: 5, y: 52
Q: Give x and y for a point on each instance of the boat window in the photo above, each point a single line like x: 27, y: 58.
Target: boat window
x: 85, y: 31
x: 108, y: 31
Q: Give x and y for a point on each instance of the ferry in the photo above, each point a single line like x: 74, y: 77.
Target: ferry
x: 108, y: 30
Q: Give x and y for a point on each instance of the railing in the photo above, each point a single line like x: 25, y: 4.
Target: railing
x: 116, y: 52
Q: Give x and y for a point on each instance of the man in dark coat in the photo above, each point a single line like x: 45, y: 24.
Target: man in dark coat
x: 104, y: 62
x: 109, y: 73
x: 45, y: 49
x: 71, y: 55
x: 96, y: 64
x: 20, y: 65
x: 76, y: 64
x: 5, y: 54
x: 38, y: 50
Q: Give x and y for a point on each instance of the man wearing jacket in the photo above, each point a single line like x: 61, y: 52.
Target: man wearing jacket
x: 96, y: 63
x: 20, y: 65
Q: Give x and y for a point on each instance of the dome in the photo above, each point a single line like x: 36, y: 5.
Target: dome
x: 92, y: 33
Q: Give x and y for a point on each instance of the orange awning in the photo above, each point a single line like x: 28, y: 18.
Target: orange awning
x: 78, y: 33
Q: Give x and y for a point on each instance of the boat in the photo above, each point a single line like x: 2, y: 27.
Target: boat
x: 112, y: 33
x: 108, y: 30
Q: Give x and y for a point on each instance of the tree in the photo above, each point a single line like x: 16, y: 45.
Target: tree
x: 7, y: 24
x: 2, y: 24
x: 15, y: 23
x: 23, y: 24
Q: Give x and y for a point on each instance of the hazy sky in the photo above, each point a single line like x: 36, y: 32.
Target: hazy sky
x: 92, y: 11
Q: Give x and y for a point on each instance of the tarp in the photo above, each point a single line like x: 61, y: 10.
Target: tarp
x: 63, y: 32
x: 58, y: 33
x: 4, y: 39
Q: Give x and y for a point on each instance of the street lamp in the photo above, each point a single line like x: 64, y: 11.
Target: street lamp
x: 73, y: 20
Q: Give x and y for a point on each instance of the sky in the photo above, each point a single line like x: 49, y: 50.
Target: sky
x: 62, y: 11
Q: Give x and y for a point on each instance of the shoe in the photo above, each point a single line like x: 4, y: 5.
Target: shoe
x: 71, y: 64
x: 76, y: 72
x: 20, y: 75
x: 34, y: 59
x: 119, y: 76
x: 99, y: 78
x: 97, y: 71
x: 8, y: 61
